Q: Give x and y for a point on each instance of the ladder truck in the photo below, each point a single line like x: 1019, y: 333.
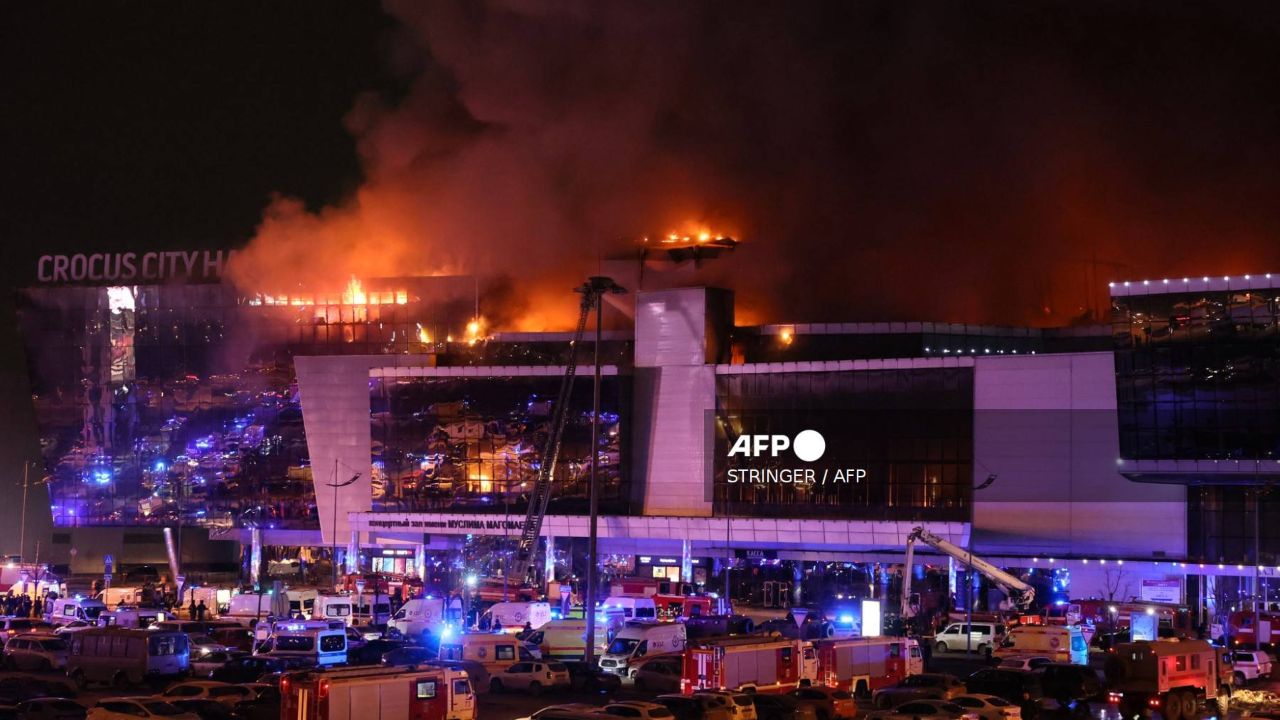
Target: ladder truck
x: 1020, y: 593
x: 592, y: 291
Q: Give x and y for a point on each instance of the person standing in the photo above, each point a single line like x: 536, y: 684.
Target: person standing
x: 201, y: 609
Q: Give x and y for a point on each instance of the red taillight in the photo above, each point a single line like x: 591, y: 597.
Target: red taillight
x: 323, y: 691
x: 1114, y: 697
x: 284, y: 686
x: 1153, y: 702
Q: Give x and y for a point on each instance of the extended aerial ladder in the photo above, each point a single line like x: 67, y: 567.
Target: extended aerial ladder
x: 527, y: 548
x: 1019, y: 592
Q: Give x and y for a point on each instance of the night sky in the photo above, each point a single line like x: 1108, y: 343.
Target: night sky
x: 968, y: 161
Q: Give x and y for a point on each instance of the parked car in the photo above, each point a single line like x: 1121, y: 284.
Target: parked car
x: 532, y: 676
x: 265, y: 705
x: 408, y: 655
x: 738, y: 703
x: 209, y: 689
x: 988, y: 707
x: 660, y: 673
x: 781, y: 707
x: 694, y: 707
x: 204, y: 709
x: 74, y: 626
x: 50, y: 708
x: 924, y: 709
x: 205, y: 665
x: 249, y: 668
x: 980, y: 638
x: 1069, y: 685
x: 36, y: 652
x: 202, y: 644
x: 142, y: 707
x: 828, y: 703
x: 936, y: 686
x: 590, y: 678
x: 1021, y: 687
x: 371, y: 652
x: 571, y: 711
x: 1246, y: 665
x: 638, y: 709
x: 1024, y: 662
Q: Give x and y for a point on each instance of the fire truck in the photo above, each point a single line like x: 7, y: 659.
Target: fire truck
x: 1254, y: 630
x: 1173, y: 677
x: 861, y: 665
x: 1173, y: 620
x: 377, y: 693
x: 765, y: 664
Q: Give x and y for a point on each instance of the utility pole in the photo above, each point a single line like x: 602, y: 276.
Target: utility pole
x: 595, y: 289
x: 22, y: 534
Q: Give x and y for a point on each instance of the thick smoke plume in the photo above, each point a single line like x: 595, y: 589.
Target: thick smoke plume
x: 880, y: 160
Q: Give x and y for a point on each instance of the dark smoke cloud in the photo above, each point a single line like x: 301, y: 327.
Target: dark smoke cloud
x: 984, y: 162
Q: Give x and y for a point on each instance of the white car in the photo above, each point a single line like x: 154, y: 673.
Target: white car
x: 989, y: 707
x: 532, y: 676
x: 204, y: 665
x: 738, y: 704
x: 211, y: 690
x: 134, y: 708
x: 36, y: 652
x: 638, y: 709
x: 1246, y: 665
x: 925, y: 710
x: 73, y: 626
x: 201, y: 644
x: 1024, y: 662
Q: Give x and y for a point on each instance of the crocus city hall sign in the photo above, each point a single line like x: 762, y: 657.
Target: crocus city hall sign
x: 129, y: 267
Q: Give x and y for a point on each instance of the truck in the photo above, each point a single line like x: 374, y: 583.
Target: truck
x: 377, y: 693
x: 123, y: 595
x: 1173, y: 677
x: 760, y: 664
x: 638, y: 639
x: 863, y: 665
x: 1020, y: 593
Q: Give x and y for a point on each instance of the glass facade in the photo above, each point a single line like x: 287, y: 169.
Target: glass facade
x: 1198, y: 375
x: 177, y: 404
x: 785, y: 343
x: 475, y: 444
x: 910, y: 430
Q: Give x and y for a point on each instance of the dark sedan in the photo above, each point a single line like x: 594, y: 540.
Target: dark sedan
x: 591, y: 678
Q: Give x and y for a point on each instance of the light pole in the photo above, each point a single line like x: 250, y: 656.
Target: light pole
x: 595, y: 288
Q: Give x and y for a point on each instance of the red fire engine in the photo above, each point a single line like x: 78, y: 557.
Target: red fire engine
x: 377, y: 693
x: 767, y: 664
x: 861, y: 665
x: 1172, y: 677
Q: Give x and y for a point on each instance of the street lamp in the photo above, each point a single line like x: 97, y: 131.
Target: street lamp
x: 595, y: 289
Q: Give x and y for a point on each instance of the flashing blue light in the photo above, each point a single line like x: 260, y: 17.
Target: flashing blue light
x: 159, y: 466
x: 846, y: 619
x: 446, y: 633
x: 1059, y: 603
x: 102, y: 477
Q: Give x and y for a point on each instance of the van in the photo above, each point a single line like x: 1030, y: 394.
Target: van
x: 1062, y: 643
x: 494, y: 651
x: 332, y: 607
x: 248, y: 608
x: 512, y: 616
x: 123, y: 595
x: 633, y: 608
x: 637, y: 640
x: 121, y: 656
x: 428, y: 614
x: 66, y: 610
x: 321, y: 646
x: 371, y: 609
x: 301, y: 602
x: 980, y: 637
x: 567, y: 639
x: 130, y: 617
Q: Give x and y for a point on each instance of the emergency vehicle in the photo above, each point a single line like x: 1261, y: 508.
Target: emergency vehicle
x: 683, y: 606
x: 638, y: 639
x: 1251, y: 629
x: 1173, y: 677
x: 648, y: 587
x: 567, y: 639
x: 377, y: 693
x: 512, y: 616
x: 764, y: 664
x: 1172, y: 620
x: 863, y: 665
x: 1062, y: 643
x: 495, y: 651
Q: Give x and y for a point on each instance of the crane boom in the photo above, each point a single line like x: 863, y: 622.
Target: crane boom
x: 541, y: 493
x: 1018, y: 591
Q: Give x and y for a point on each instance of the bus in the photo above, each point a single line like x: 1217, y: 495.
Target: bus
x: 122, y: 656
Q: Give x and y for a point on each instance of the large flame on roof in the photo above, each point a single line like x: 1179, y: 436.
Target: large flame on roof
x: 353, y: 294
